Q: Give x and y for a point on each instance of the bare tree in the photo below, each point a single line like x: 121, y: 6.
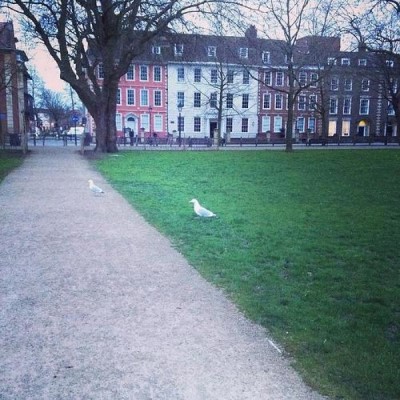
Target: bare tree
x: 83, y: 36
x: 288, y: 20
x: 378, y: 32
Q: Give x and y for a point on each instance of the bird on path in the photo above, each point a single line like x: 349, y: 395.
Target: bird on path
x: 201, y: 211
x: 95, y: 189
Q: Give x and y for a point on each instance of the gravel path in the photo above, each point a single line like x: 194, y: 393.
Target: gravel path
x: 96, y: 304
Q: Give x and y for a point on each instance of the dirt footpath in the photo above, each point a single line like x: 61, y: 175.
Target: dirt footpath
x: 96, y: 304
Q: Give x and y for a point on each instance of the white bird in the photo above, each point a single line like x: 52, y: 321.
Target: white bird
x: 95, y: 189
x: 201, y: 211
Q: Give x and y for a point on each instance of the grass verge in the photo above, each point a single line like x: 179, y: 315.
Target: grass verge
x: 8, y: 161
x: 307, y: 244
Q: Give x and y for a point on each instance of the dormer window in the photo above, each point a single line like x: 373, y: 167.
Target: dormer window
x: 211, y: 51
x: 331, y: 61
x: 390, y: 63
x: 243, y: 52
x: 266, y: 57
x: 362, y: 62
x: 178, y: 49
x: 345, y: 61
x: 156, y: 50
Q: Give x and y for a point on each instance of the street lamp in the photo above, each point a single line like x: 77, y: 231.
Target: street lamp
x: 180, y: 106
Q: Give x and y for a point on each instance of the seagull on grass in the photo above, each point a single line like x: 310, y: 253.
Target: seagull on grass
x: 201, y: 211
x: 95, y: 189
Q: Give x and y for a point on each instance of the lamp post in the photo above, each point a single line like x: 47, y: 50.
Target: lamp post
x: 179, y: 123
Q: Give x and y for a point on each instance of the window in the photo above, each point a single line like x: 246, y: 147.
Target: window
x: 365, y: 85
x: 156, y: 49
x: 345, y: 61
x: 145, y: 122
x: 245, y: 125
x: 348, y: 84
x: 278, y: 101
x: 214, y: 76
x: 119, y: 97
x: 180, y: 74
x: 333, y: 105
x: 230, y: 75
x: 229, y: 124
x: 243, y: 52
x: 347, y: 105
x: 197, y: 99
x: 157, y: 74
x: 246, y: 77
x: 335, y: 84
x: 267, y: 101
x: 279, y: 79
x: 268, y: 78
x: 144, y: 97
x: 364, y: 106
x: 197, y: 74
x: 266, y: 57
x: 245, y: 100
x: 197, y: 124
x: 118, y: 121
x: 311, y: 124
x: 300, y: 124
x: 313, y: 102
x: 303, y: 78
x: 266, y: 123
x: 211, y: 51
x: 332, y: 127
x: 158, y: 122
x: 213, y: 100
x: 390, y: 63
x: 278, y: 122
x: 331, y: 61
x: 345, y: 127
x: 130, y: 75
x: 302, y: 102
x: 143, y: 73
x: 130, y: 97
x: 313, y: 79
x: 178, y: 49
x: 390, y: 108
x: 157, y: 98
x: 362, y: 62
x: 229, y: 100
x: 100, y: 71
x: 180, y: 99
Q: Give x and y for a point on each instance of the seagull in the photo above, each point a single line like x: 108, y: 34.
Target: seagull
x: 201, y: 211
x: 95, y: 189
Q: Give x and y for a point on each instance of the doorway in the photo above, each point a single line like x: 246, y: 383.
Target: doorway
x: 213, y: 127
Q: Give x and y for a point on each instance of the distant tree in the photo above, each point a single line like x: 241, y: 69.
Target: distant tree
x: 377, y: 30
x: 289, y: 20
x: 55, y: 106
x: 83, y: 36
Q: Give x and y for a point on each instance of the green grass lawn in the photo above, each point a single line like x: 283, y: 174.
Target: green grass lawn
x: 8, y: 161
x: 307, y: 244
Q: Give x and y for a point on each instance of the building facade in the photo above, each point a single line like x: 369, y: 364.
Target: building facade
x: 197, y: 85
x: 16, y: 105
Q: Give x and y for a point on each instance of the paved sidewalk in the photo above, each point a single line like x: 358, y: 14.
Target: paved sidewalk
x: 96, y: 304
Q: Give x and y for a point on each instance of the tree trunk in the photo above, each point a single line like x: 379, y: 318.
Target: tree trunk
x: 104, y: 113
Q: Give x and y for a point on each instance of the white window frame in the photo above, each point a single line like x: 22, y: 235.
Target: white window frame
x: 144, y: 95
x: 130, y: 95
x: 157, y: 76
x: 157, y: 95
x: 244, y: 52
x: 144, y: 70
x: 266, y: 101
x: 211, y: 51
